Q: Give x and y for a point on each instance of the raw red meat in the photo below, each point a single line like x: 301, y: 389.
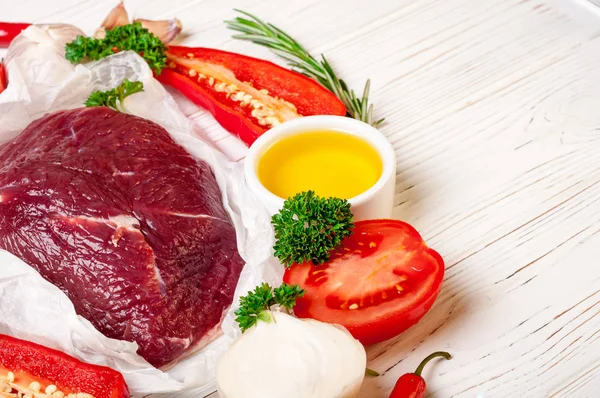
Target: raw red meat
x: 110, y: 209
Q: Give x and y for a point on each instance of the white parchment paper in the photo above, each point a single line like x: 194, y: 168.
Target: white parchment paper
x: 41, y: 81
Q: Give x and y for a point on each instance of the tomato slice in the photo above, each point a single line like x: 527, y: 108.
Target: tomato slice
x: 381, y: 281
x: 246, y: 95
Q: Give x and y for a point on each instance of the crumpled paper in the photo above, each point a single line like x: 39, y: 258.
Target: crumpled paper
x: 43, y: 81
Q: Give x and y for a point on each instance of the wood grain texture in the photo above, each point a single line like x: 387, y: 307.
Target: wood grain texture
x: 493, y: 108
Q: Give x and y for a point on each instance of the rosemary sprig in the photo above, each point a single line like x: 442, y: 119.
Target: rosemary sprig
x: 282, y: 44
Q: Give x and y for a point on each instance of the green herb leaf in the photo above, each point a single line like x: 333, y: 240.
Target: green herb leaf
x: 255, y: 303
x: 252, y: 305
x: 282, y: 44
x: 129, y: 37
x: 286, y: 295
x: 109, y: 98
x: 309, y: 227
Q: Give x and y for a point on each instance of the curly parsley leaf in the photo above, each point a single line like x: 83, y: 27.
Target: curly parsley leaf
x: 254, y: 305
x: 122, y: 38
x: 286, y: 295
x: 109, y: 98
x: 309, y: 227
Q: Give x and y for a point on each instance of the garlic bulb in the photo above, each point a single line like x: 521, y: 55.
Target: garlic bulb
x: 292, y: 358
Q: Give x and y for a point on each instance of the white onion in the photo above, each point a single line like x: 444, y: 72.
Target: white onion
x: 292, y: 358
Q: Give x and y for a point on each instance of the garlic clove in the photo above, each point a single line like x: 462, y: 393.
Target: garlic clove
x: 166, y: 30
x: 116, y: 17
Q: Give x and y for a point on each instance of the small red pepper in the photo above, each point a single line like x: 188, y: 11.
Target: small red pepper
x: 412, y: 385
x: 246, y: 95
x: 3, y: 78
x: 26, y: 367
x: 10, y: 30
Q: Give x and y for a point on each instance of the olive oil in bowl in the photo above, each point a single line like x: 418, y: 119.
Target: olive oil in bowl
x: 329, y: 162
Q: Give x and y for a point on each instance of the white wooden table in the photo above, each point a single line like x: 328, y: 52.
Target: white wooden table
x: 493, y: 108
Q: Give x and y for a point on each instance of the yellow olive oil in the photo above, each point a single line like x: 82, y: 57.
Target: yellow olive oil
x: 331, y: 163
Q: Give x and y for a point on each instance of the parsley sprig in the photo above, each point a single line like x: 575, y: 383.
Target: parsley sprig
x: 254, y: 306
x: 309, y: 227
x: 282, y: 44
x: 109, y: 98
x: 121, y: 38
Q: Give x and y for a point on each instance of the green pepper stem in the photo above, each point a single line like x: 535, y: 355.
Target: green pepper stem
x: 429, y: 358
x: 371, y: 372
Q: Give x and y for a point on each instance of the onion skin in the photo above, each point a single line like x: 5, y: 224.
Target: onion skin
x: 284, y: 356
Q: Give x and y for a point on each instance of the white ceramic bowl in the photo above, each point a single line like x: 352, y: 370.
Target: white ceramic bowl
x: 376, y: 202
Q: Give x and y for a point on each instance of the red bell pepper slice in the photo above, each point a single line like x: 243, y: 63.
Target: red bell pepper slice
x: 10, y: 30
x: 26, y: 367
x: 247, y: 96
x: 3, y: 78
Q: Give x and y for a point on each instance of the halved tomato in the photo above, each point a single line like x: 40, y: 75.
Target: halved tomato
x: 381, y: 281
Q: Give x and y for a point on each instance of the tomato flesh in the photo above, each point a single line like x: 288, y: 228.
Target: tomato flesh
x: 381, y: 281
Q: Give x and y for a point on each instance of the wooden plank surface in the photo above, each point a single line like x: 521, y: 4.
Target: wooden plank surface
x: 493, y: 108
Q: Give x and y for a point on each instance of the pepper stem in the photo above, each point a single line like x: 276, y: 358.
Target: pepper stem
x: 371, y: 372
x: 429, y: 358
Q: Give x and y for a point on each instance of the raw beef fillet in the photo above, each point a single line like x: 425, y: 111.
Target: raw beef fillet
x: 110, y: 209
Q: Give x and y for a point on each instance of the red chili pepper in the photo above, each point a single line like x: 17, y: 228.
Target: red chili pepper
x: 10, y: 30
x: 26, y: 367
x: 412, y: 385
x: 3, y: 78
x: 247, y: 96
